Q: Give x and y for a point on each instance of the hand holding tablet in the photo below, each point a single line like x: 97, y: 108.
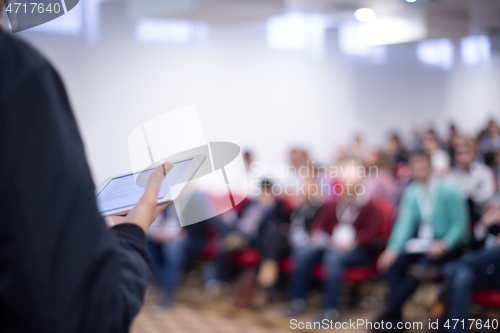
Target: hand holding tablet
x: 124, y: 194
x: 146, y: 209
x: 118, y: 195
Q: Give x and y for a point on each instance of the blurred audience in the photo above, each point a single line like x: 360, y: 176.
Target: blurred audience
x: 344, y: 233
x: 479, y: 269
x: 445, y: 185
x: 395, y: 150
x: 261, y: 225
x: 358, y: 150
x: 451, y: 142
x: 496, y: 169
x: 440, y: 159
x: 341, y: 156
x: 380, y: 183
x: 475, y: 180
x: 489, y: 140
x: 298, y: 158
x: 303, y: 214
x: 171, y: 247
x: 254, y: 173
x: 431, y: 229
x: 248, y: 159
x: 417, y: 141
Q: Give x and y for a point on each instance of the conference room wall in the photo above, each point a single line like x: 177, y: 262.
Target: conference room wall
x: 263, y: 99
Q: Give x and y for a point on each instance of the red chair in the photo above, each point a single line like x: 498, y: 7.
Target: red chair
x: 286, y: 265
x: 387, y: 210
x: 246, y: 258
x: 353, y: 274
x: 211, y: 246
x: 251, y: 257
x: 210, y: 249
x: 365, y: 273
x: 488, y: 298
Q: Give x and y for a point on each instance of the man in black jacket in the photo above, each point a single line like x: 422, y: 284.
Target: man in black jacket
x: 61, y: 268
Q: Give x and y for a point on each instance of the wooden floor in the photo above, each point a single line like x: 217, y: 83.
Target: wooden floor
x: 185, y: 318
x: 194, y: 312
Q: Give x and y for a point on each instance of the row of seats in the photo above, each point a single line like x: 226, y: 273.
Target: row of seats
x: 251, y: 258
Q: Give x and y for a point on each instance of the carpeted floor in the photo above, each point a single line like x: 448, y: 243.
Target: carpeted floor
x: 194, y: 312
x: 186, y: 318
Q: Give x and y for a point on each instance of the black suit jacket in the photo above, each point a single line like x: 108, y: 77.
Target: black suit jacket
x: 61, y: 268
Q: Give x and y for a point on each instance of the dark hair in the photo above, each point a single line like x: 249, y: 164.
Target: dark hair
x: 266, y: 184
x: 383, y: 160
x: 247, y: 154
x: 397, y: 139
x: 422, y: 154
x: 489, y: 159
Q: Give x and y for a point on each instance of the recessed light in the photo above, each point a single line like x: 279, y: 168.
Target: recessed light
x: 365, y: 15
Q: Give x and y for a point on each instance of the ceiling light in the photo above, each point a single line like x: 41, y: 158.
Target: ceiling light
x: 170, y: 31
x: 365, y: 15
x: 437, y: 52
x: 411, y: 0
x: 297, y: 31
x: 476, y: 50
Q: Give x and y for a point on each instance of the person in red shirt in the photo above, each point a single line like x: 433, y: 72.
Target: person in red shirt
x: 344, y: 233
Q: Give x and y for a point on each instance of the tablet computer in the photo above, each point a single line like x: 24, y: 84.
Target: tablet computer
x: 118, y: 195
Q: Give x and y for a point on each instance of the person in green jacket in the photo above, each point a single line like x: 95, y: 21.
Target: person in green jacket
x: 431, y: 228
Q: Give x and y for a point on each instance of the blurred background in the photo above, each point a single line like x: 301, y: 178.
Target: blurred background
x: 289, y: 81
x: 272, y: 74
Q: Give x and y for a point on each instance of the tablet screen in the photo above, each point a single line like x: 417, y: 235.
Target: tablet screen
x: 122, y: 192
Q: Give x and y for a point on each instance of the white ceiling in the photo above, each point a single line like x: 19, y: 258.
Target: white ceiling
x: 444, y: 18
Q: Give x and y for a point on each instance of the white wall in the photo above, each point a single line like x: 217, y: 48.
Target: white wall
x: 259, y: 98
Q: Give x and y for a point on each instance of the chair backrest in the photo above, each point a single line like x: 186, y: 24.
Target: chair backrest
x: 387, y: 211
x: 210, y: 249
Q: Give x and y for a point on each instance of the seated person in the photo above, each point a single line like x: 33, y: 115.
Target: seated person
x: 380, y: 183
x: 431, y: 228
x: 261, y: 224
x: 490, y: 140
x: 344, y: 233
x: 478, y: 269
x: 170, y: 247
x: 475, y: 180
x: 395, y: 150
x: 302, y: 216
x: 440, y: 159
x: 295, y: 234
